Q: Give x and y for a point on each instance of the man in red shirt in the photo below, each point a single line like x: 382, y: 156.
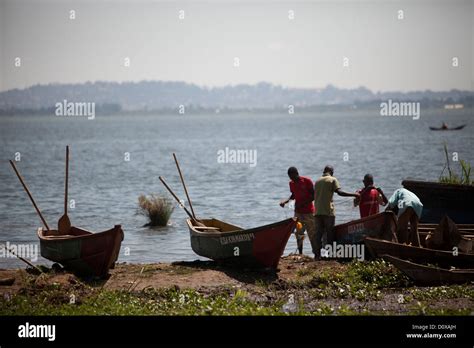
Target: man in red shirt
x: 370, y: 197
x: 302, y: 191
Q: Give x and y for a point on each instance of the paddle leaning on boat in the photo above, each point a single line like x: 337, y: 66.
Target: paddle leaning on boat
x: 80, y: 251
x: 260, y: 247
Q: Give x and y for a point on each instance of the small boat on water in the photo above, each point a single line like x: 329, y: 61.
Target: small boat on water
x: 431, y: 275
x: 447, y: 128
x: 260, y: 246
x: 382, y: 225
x: 440, y: 199
x: 379, y: 248
x: 82, y: 252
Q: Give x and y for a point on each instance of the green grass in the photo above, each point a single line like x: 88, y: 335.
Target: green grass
x: 362, y: 281
x: 146, y: 302
x: 442, y: 292
x: 358, y: 288
x: 452, y: 177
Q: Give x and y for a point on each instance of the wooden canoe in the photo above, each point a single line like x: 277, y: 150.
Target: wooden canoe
x: 82, y: 252
x: 447, y: 129
x: 382, y: 225
x: 440, y: 199
x: 378, y: 248
x: 260, y: 246
x: 431, y: 275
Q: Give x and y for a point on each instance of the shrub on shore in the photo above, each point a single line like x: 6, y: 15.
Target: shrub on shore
x: 156, y: 208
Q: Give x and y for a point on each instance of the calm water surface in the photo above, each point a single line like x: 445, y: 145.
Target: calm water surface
x: 105, y: 187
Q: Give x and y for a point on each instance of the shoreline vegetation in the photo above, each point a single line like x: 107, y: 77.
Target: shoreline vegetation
x: 302, y: 286
x: 452, y: 176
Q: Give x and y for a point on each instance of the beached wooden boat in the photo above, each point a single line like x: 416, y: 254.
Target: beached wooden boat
x: 378, y: 248
x: 382, y: 225
x: 82, y: 252
x: 447, y: 129
x: 439, y: 199
x: 431, y: 275
x: 7, y: 281
x: 260, y: 246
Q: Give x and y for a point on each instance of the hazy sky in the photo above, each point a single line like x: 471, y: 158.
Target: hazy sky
x: 384, y: 53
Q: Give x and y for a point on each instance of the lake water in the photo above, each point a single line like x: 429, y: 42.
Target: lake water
x: 105, y: 187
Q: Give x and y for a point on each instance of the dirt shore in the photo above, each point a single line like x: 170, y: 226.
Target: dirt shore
x: 301, y: 285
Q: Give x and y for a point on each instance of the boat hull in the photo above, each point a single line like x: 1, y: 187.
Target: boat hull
x: 82, y: 252
x: 379, y: 248
x: 430, y: 275
x: 455, y: 201
x: 382, y: 225
x: 447, y: 129
x: 260, y: 247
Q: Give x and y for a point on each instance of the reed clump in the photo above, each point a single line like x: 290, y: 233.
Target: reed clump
x: 156, y: 208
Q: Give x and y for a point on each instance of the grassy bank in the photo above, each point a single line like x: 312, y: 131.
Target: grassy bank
x: 302, y: 287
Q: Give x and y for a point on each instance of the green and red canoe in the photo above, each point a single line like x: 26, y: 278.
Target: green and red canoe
x: 260, y: 246
x: 82, y: 252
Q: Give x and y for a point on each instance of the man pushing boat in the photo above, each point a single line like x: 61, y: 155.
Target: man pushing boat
x: 302, y: 192
x: 409, y: 208
x: 324, y: 189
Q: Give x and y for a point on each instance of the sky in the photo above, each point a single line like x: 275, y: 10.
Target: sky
x: 381, y: 51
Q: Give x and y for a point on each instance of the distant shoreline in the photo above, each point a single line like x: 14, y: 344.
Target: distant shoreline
x: 117, y: 111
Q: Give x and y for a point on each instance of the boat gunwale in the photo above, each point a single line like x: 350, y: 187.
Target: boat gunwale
x: 89, y: 234
x: 389, y: 258
x: 412, y: 247
x: 434, y: 184
x: 368, y: 218
x: 241, y: 231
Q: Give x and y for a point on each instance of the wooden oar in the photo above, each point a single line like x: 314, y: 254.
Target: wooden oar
x: 29, y: 195
x: 64, y: 224
x: 179, y: 201
x: 184, y: 185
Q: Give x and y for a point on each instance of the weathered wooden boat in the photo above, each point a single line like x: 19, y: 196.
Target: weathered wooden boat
x: 464, y: 229
x: 439, y: 199
x: 448, y: 128
x: 382, y: 225
x: 378, y: 248
x: 431, y: 275
x: 82, y: 252
x: 260, y: 246
x: 7, y: 281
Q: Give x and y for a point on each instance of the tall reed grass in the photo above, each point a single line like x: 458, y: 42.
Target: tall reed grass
x: 156, y: 208
x: 453, y: 177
